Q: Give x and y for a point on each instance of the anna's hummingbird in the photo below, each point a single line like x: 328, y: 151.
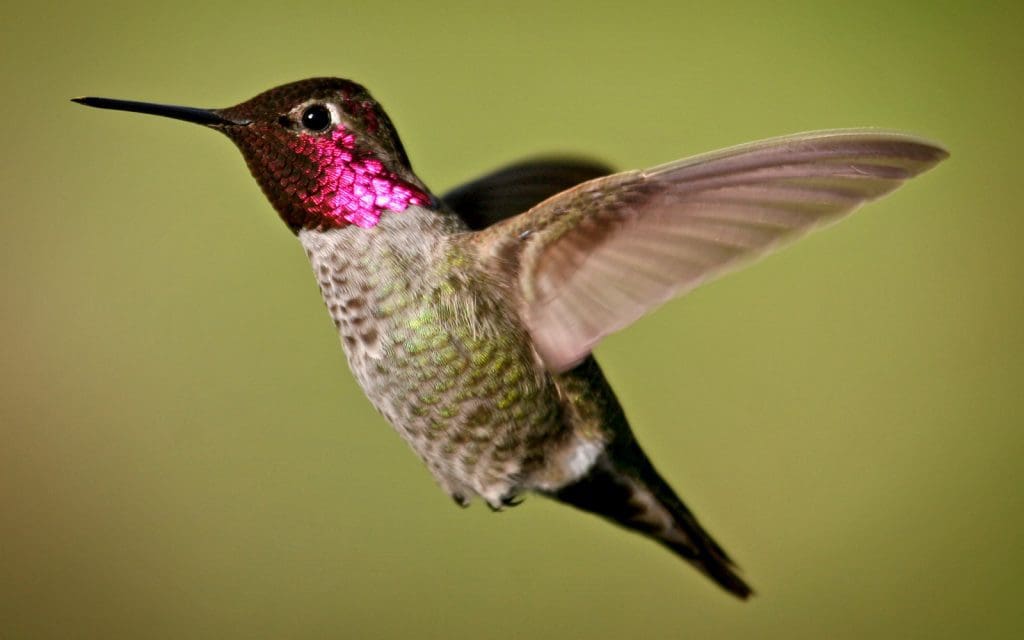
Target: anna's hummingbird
x: 469, y: 320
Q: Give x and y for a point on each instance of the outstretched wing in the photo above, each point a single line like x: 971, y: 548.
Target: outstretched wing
x: 593, y: 259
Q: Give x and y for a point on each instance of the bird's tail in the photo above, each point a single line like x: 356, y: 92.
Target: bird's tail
x: 637, y: 498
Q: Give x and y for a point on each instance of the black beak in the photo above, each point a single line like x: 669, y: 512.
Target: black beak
x: 208, y: 117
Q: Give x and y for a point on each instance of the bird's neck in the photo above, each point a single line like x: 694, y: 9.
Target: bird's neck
x: 406, y: 245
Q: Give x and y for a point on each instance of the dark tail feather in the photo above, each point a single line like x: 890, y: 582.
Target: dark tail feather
x: 640, y: 500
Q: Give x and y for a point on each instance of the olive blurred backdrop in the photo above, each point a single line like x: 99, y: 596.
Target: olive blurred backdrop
x: 183, y: 452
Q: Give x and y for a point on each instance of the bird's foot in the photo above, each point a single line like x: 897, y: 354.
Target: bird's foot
x: 507, y: 500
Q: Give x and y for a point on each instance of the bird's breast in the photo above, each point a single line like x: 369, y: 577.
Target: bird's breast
x: 440, y: 355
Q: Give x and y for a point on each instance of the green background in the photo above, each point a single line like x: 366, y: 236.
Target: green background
x: 183, y: 452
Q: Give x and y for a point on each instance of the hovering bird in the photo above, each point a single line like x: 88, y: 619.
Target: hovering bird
x: 469, y: 320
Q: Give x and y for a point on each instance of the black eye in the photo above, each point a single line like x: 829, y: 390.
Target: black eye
x: 316, y: 117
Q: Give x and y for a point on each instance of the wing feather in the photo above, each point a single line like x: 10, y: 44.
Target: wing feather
x: 591, y: 260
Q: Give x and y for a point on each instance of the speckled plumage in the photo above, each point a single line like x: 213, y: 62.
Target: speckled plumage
x: 442, y: 356
x: 471, y: 328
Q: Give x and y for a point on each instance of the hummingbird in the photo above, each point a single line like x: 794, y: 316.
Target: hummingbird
x: 469, y: 320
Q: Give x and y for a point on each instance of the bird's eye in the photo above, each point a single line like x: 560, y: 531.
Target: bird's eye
x: 316, y: 118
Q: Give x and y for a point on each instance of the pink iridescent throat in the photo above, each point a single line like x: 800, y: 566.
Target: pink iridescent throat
x: 349, y: 185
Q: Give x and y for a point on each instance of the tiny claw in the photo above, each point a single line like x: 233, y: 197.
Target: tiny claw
x: 460, y: 500
x: 507, y: 500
